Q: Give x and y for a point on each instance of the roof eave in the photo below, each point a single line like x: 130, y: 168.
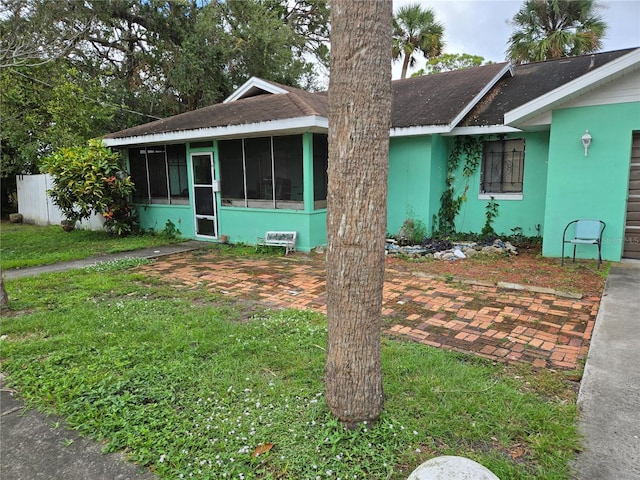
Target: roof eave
x: 615, y: 68
x: 419, y: 130
x: 483, y: 130
x: 293, y: 125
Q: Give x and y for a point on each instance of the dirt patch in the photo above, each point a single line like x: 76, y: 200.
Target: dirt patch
x: 527, y: 268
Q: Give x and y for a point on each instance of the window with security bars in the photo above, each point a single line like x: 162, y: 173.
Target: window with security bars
x: 502, y: 166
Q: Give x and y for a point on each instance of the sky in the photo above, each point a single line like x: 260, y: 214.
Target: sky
x: 481, y: 27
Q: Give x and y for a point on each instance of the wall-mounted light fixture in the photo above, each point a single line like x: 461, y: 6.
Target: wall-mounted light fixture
x: 586, y: 142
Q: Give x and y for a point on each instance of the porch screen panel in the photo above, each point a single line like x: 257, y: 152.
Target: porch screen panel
x: 138, y: 170
x: 258, y: 170
x: 178, y: 180
x: 231, y: 172
x: 202, y: 170
x: 320, y: 166
x: 157, y: 166
x: 287, y: 165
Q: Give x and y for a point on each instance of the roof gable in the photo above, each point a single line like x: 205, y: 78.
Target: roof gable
x: 595, y: 78
x: 440, y: 101
x: 257, y: 86
x: 533, y: 81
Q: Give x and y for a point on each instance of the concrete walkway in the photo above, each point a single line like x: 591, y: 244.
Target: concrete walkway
x: 155, y: 252
x: 610, y: 391
x: 38, y: 447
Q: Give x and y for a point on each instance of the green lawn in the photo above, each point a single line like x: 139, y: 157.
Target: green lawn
x: 24, y: 245
x: 188, y: 382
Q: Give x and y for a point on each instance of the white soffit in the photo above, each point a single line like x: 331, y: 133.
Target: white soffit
x: 488, y: 130
x: 251, y: 86
x: 419, y: 130
x: 615, y: 68
x: 298, y: 125
x: 538, y: 120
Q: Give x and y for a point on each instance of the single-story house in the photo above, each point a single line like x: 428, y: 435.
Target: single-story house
x: 258, y: 161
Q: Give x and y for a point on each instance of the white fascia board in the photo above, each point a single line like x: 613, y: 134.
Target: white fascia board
x: 508, y: 68
x: 591, y: 80
x: 419, y: 130
x: 253, y: 82
x: 299, y: 124
x: 488, y: 130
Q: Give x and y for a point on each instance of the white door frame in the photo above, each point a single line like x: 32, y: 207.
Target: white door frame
x: 209, y: 214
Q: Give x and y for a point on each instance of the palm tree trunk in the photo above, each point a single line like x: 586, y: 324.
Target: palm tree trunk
x: 405, y: 65
x: 357, y: 205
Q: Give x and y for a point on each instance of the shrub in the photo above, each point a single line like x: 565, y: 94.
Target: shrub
x: 413, y: 231
x: 91, y: 179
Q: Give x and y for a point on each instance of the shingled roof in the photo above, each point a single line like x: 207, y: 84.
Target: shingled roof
x: 530, y: 81
x: 473, y: 97
x: 255, y: 109
x: 439, y: 99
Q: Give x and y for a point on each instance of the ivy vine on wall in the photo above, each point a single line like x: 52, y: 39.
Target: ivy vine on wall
x: 469, y: 150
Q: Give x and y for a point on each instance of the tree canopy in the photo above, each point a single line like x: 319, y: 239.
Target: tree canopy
x: 448, y: 62
x: 548, y: 29
x: 415, y: 30
x: 71, y: 71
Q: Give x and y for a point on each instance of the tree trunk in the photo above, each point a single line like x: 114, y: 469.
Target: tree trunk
x: 4, y: 298
x: 359, y: 122
x: 405, y: 64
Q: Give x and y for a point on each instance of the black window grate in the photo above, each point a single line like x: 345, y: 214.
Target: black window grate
x: 503, y: 166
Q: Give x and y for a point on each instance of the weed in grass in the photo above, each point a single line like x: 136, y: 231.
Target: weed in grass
x: 120, y: 264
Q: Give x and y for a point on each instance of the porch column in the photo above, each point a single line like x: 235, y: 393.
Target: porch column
x: 307, y: 171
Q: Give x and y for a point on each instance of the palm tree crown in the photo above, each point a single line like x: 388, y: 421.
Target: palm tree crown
x: 548, y: 29
x: 415, y: 29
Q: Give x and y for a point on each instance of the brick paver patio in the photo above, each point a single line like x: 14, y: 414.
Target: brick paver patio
x: 510, y: 325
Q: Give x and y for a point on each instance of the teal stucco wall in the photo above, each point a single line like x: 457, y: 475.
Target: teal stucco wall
x: 155, y: 217
x: 409, y: 182
x: 417, y: 173
x: 593, y: 186
x: 247, y: 224
x: 527, y: 212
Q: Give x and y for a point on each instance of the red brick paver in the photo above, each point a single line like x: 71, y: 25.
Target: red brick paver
x: 515, y: 326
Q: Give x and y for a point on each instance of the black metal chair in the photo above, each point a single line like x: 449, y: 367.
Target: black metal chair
x: 587, y: 232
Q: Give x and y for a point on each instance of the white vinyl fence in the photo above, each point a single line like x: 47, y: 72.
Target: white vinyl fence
x: 36, y: 206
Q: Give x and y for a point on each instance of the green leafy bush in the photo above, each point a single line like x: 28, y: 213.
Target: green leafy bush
x: 91, y: 179
x: 413, y: 230
x: 491, y: 212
